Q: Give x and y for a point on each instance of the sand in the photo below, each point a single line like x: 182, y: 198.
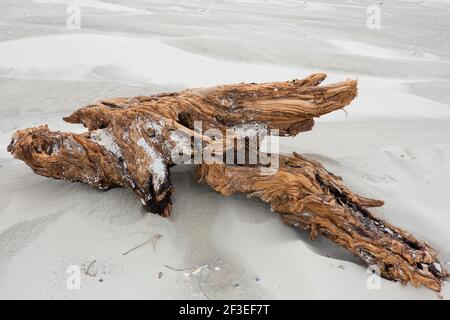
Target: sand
x: 393, y: 143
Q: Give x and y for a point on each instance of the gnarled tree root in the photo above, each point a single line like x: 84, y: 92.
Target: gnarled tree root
x: 130, y: 143
x: 130, y: 140
x: 310, y: 198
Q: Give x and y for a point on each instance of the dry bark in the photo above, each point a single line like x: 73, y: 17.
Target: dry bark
x: 130, y: 140
x: 289, y: 107
x: 311, y: 198
x: 130, y: 143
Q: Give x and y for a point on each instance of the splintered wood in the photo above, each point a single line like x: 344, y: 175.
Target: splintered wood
x: 130, y: 143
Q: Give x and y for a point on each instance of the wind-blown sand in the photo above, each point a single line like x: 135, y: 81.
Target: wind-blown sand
x: 393, y: 143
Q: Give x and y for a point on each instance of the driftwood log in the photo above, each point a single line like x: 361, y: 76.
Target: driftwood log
x: 310, y: 198
x: 130, y: 143
x: 130, y: 140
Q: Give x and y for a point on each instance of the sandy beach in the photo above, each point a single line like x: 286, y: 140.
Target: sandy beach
x: 392, y: 143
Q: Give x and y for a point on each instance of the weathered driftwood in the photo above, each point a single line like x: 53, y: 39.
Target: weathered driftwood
x: 130, y: 140
x: 130, y: 143
x: 310, y: 198
x: 289, y: 107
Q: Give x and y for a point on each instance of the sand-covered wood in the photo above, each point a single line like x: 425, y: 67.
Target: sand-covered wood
x: 130, y: 140
x: 130, y: 143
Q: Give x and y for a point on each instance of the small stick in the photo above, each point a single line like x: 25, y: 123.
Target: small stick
x: 154, y: 238
x: 179, y: 269
x: 89, y: 267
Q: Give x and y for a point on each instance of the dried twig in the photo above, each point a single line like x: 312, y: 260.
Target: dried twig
x: 89, y: 267
x: 153, y: 239
x: 180, y: 269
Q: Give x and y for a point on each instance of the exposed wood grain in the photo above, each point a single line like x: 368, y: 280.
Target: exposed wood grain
x: 130, y: 143
x: 309, y: 197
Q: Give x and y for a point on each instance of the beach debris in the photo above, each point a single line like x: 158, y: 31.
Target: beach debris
x: 86, y: 272
x: 310, y: 198
x: 93, y: 268
x: 180, y: 269
x: 130, y: 143
x: 152, y: 240
x: 197, y: 272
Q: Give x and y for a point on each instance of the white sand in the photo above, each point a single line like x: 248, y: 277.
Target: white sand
x: 94, y: 4
x: 394, y: 144
x: 364, y: 49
